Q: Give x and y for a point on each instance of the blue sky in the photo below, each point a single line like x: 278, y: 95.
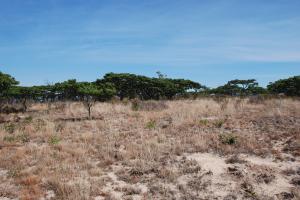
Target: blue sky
x: 209, y: 41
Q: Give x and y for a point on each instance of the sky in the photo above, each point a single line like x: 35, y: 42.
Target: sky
x: 208, y: 41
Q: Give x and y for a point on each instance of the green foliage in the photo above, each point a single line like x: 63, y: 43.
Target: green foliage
x: 9, y: 138
x: 10, y: 128
x: 28, y: 120
x: 21, y: 92
x: 161, y: 75
x: 134, y: 86
x: 151, y: 124
x: 68, y: 89
x: 203, y: 122
x: 88, y: 90
x: 131, y: 86
x: 54, y: 140
x: 6, y: 81
x: 219, y: 123
x: 226, y: 90
x: 99, y: 92
x: 239, y: 87
x: 24, y: 138
x: 243, y: 84
x: 289, y: 86
x: 228, y: 139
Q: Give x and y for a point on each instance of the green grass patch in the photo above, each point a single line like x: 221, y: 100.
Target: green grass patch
x: 151, y: 124
x: 54, y: 140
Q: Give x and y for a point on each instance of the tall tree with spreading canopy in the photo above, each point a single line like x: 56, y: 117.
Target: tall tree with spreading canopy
x: 133, y: 86
x: 239, y: 87
x: 243, y: 85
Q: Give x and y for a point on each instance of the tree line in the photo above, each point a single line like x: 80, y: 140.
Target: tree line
x: 122, y: 85
x: 130, y: 86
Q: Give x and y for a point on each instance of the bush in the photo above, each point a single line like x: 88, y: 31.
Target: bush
x: 219, y: 123
x: 151, y: 124
x: 10, y: 128
x: 9, y: 138
x: 24, y: 138
x: 53, y: 140
x: 228, y: 139
x: 203, y: 122
x: 28, y: 120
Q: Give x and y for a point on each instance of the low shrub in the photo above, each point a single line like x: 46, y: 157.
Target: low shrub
x: 9, y: 138
x: 228, y: 139
x: 53, y: 140
x: 203, y: 122
x: 219, y: 123
x: 151, y: 124
x: 10, y: 128
x: 24, y: 138
x: 28, y: 120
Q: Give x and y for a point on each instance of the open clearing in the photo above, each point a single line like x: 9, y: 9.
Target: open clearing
x: 187, y: 149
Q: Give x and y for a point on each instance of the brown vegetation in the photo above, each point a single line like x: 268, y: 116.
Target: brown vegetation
x: 186, y: 149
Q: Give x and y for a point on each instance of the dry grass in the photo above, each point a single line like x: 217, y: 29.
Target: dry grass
x: 153, y: 150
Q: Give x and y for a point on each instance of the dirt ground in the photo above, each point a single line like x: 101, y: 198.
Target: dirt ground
x: 226, y: 149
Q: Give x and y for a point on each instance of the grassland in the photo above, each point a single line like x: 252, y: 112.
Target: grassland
x: 225, y: 149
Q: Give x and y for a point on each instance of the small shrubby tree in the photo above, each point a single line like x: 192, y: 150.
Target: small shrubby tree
x: 22, y: 94
x: 88, y: 93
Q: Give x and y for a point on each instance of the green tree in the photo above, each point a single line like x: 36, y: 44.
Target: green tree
x: 244, y: 86
x: 132, y: 86
x: 67, y: 89
x: 289, y: 86
x: 90, y: 93
x: 6, y: 82
x: 226, y: 90
x: 161, y: 75
x: 23, y: 94
x: 239, y: 87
